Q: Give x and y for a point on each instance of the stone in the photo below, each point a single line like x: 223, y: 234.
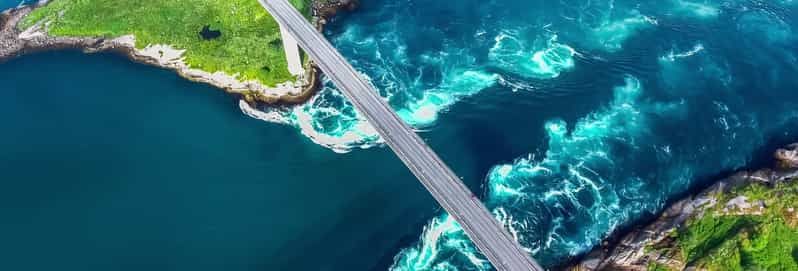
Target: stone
x: 633, y: 252
x: 787, y: 158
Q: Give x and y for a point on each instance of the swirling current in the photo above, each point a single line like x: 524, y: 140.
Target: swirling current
x: 684, y: 90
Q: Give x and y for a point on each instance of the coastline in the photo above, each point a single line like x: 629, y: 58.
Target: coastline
x: 632, y: 250
x: 14, y: 43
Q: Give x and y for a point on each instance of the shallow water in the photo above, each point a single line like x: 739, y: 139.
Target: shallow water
x: 654, y: 97
x: 4, y: 4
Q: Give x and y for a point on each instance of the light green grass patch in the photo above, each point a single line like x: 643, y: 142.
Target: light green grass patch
x: 769, y: 241
x: 249, y: 46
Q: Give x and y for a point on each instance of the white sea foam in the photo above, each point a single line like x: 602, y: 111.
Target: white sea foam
x: 327, y: 119
x: 341, y: 138
x: 456, y: 84
x: 692, y: 66
x: 273, y: 116
x: 563, y: 181
x: 702, y: 10
x: 398, y: 76
x: 611, y: 34
x: 672, y: 56
x: 545, y: 61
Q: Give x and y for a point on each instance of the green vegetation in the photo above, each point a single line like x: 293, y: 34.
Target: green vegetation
x: 249, y: 44
x: 704, y: 235
x: 657, y: 267
x: 767, y: 241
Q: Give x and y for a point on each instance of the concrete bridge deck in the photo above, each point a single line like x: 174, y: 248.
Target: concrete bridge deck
x: 478, y: 223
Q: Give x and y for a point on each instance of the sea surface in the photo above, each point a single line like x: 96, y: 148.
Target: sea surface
x: 594, y: 114
x: 110, y: 165
x: 571, y: 119
x: 6, y: 4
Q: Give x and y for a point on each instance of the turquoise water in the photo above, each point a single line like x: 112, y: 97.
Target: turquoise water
x: 571, y: 119
x: 5, y: 4
x: 625, y: 104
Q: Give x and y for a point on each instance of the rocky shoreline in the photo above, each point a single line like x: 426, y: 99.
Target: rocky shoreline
x: 15, y: 42
x: 632, y: 251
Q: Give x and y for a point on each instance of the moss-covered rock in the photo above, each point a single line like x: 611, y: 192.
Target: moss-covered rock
x: 748, y: 221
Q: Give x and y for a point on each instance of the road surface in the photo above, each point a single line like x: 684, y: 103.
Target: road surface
x: 478, y: 223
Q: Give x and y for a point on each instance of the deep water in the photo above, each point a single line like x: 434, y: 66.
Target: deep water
x: 110, y: 165
x: 571, y: 119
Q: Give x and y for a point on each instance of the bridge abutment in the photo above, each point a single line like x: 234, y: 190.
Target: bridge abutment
x: 291, y: 53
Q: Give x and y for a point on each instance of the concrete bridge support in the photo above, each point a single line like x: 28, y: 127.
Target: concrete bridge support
x: 291, y: 53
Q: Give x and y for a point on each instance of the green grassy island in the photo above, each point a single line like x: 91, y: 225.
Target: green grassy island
x: 237, y: 37
x: 747, y: 221
x: 730, y: 236
x: 749, y: 227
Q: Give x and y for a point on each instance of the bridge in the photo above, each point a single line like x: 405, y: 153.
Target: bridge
x: 482, y: 228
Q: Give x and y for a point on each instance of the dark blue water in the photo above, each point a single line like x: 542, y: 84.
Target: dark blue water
x: 110, y: 165
x: 572, y: 120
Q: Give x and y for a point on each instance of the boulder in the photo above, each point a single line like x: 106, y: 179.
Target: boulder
x: 787, y: 158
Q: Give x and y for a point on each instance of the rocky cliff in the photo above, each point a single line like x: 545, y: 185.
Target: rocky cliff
x: 15, y: 42
x: 723, y: 227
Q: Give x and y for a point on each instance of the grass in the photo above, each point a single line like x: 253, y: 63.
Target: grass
x: 657, y: 267
x: 704, y: 235
x: 769, y: 241
x: 727, y: 257
x: 770, y: 247
x: 249, y: 46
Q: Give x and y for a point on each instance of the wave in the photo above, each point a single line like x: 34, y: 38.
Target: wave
x: 404, y: 80
x: 456, y: 83
x: 705, y: 10
x: 563, y: 203
x: 672, y: 56
x: 608, y: 168
x: 625, y: 160
x: 546, y: 61
x: 327, y: 119
x: 611, y: 34
x: 693, y: 66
